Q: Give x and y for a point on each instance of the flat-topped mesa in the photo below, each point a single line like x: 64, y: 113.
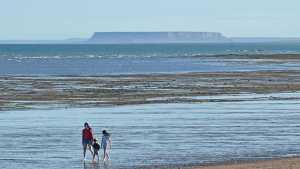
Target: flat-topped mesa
x: 156, y: 37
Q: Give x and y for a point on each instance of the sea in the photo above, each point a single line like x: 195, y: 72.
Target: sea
x: 246, y: 126
x: 77, y: 59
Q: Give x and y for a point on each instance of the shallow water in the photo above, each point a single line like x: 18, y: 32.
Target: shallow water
x: 154, y: 134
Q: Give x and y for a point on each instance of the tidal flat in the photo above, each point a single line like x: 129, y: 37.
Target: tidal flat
x: 29, y: 92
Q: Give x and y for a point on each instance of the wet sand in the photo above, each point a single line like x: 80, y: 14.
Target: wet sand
x: 284, y: 163
x: 25, y: 92
x: 278, y: 163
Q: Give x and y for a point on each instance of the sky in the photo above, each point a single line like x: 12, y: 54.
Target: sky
x: 63, y: 19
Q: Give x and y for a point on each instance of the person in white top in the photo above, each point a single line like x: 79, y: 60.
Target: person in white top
x: 106, y: 144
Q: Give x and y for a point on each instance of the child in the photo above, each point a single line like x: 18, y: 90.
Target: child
x: 96, y: 148
x: 106, y: 144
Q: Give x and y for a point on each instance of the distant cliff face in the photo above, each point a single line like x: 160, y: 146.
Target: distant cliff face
x: 156, y: 37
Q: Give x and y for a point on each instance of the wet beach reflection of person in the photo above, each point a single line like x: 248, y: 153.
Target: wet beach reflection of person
x: 96, y: 166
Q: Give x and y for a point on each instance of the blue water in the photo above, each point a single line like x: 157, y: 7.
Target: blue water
x: 136, y: 58
x: 156, y: 133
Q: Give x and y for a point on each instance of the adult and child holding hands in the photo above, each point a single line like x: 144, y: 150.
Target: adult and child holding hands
x: 90, y: 142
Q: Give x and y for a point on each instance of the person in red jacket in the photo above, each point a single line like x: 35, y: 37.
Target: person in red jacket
x: 87, y: 139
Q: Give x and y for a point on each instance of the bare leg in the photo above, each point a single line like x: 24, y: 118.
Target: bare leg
x: 90, y: 148
x: 107, y: 154
x: 94, y: 156
x: 104, y: 154
x: 84, y: 151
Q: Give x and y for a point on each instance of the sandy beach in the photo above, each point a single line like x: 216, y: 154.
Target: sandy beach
x: 276, y: 163
x: 284, y: 163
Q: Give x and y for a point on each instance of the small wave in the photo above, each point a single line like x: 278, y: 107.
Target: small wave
x: 227, y: 52
x: 291, y: 155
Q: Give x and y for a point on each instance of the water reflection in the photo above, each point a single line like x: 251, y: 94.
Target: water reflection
x: 98, y: 165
